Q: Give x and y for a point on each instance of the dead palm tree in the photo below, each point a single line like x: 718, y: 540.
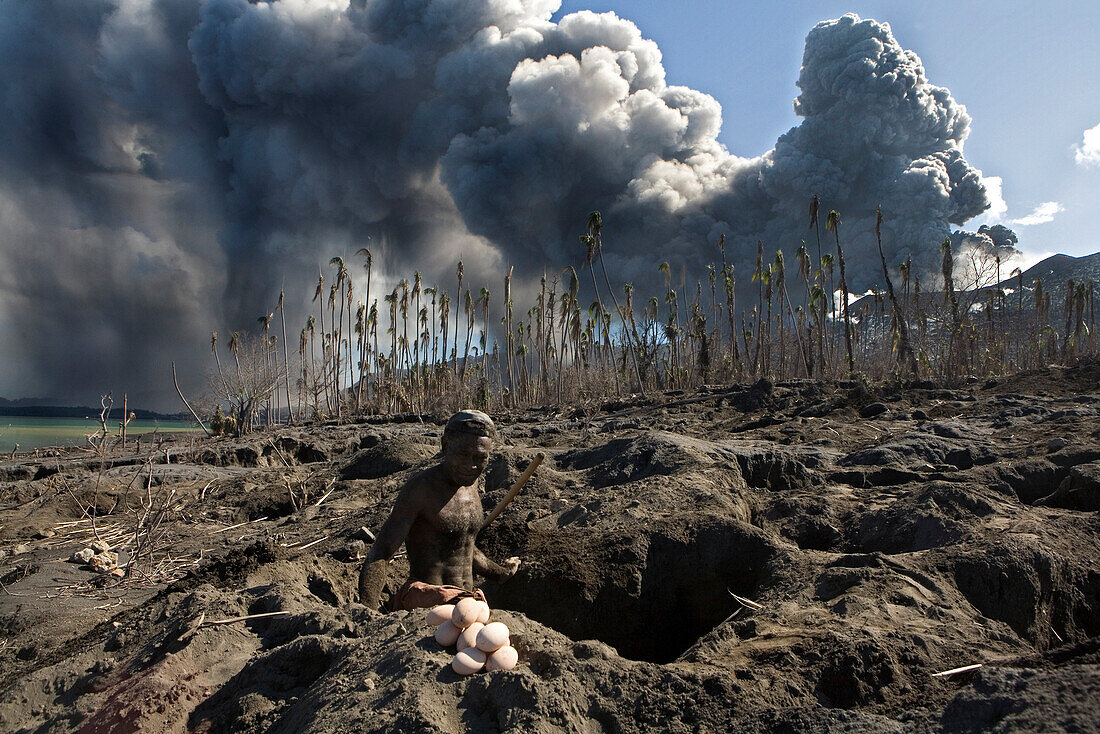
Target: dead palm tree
x: 368, y: 265
x: 286, y: 360
x: 372, y: 326
x: 509, y: 337
x: 484, y: 301
x: 338, y: 328
x: 434, y: 293
x: 758, y: 277
x: 265, y: 322
x: 320, y: 301
x: 332, y: 355
x: 832, y: 223
x: 955, y: 348
x: 235, y: 346
x: 595, y: 228
x: 361, y: 341
x: 349, y: 363
x: 303, y: 381
x: 392, y: 299
x: 468, y: 309
x: 567, y: 307
x: 444, y: 320
x: 403, y: 303
x: 415, y: 296
x: 458, y: 294
x: 217, y: 359
x: 311, y: 326
x: 906, y: 356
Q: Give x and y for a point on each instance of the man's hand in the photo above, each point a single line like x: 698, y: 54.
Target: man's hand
x: 511, y: 565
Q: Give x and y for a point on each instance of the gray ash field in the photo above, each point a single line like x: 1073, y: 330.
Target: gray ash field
x: 798, y: 556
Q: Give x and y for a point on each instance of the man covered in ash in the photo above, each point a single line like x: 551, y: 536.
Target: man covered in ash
x: 437, y: 514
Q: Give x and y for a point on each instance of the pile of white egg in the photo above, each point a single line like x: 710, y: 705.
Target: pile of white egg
x: 481, y: 644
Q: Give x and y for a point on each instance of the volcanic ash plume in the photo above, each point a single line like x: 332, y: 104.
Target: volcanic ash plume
x: 169, y: 166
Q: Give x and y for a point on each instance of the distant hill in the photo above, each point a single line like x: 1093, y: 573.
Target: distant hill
x: 46, y: 408
x: 27, y: 402
x: 1053, y: 272
x: 1056, y: 270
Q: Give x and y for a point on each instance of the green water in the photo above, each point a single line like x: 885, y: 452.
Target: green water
x: 32, y: 433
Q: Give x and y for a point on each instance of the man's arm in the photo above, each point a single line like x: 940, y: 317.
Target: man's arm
x: 374, y: 573
x: 492, y: 570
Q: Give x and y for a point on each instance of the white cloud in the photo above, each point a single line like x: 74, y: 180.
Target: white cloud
x: 1043, y: 213
x: 1088, y: 152
x: 994, y: 189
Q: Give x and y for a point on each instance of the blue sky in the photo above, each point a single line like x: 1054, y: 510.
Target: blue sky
x: 1028, y: 74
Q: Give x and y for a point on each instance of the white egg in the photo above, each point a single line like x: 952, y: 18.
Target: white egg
x: 483, y: 616
x: 503, y: 659
x: 440, y: 614
x: 469, y: 661
x: 468, y: 638
x: 492, y: 636
x: 446, y: 634
x: 466, y: 612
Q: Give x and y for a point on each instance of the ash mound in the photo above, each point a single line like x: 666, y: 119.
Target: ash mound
x: 800, y: 556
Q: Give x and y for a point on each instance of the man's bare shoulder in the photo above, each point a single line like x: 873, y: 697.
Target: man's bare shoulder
x: 420, y: 483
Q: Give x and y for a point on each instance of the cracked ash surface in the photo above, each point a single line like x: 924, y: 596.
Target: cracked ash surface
x: 884, y: 535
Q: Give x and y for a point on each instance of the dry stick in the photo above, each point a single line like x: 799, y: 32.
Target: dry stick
x: 749, y: 603
x: 246, y: 522
x: 515, y: 489
x: 954, y: 671
x: 315, y: 542
x: 290, y: 491
x: 233, y: 620
x: 332, y: 489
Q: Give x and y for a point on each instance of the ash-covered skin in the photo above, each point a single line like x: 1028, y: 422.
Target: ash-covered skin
x: 437, y: 515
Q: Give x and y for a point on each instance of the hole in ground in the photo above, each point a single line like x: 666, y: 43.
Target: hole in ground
x: 650, y: 594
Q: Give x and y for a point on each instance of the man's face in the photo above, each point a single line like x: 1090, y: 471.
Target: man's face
x: 465, y: 457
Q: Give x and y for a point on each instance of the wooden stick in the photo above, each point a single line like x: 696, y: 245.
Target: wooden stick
x: 315, y: 542
x: 246, y: 522
x: 953, y: 671
x: 331, y: 484
x: 749, y: 603
x: 245, y: 618
x: 515, y: 489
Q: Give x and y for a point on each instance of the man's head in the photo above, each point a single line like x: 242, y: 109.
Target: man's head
x: 473, y: 422
x: 467, y: 441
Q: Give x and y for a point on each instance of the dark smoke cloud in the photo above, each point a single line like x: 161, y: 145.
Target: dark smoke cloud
x: 996, y: 240
x: 168, y: 166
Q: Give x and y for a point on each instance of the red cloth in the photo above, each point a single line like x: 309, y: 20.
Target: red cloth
x: 419, y: 595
